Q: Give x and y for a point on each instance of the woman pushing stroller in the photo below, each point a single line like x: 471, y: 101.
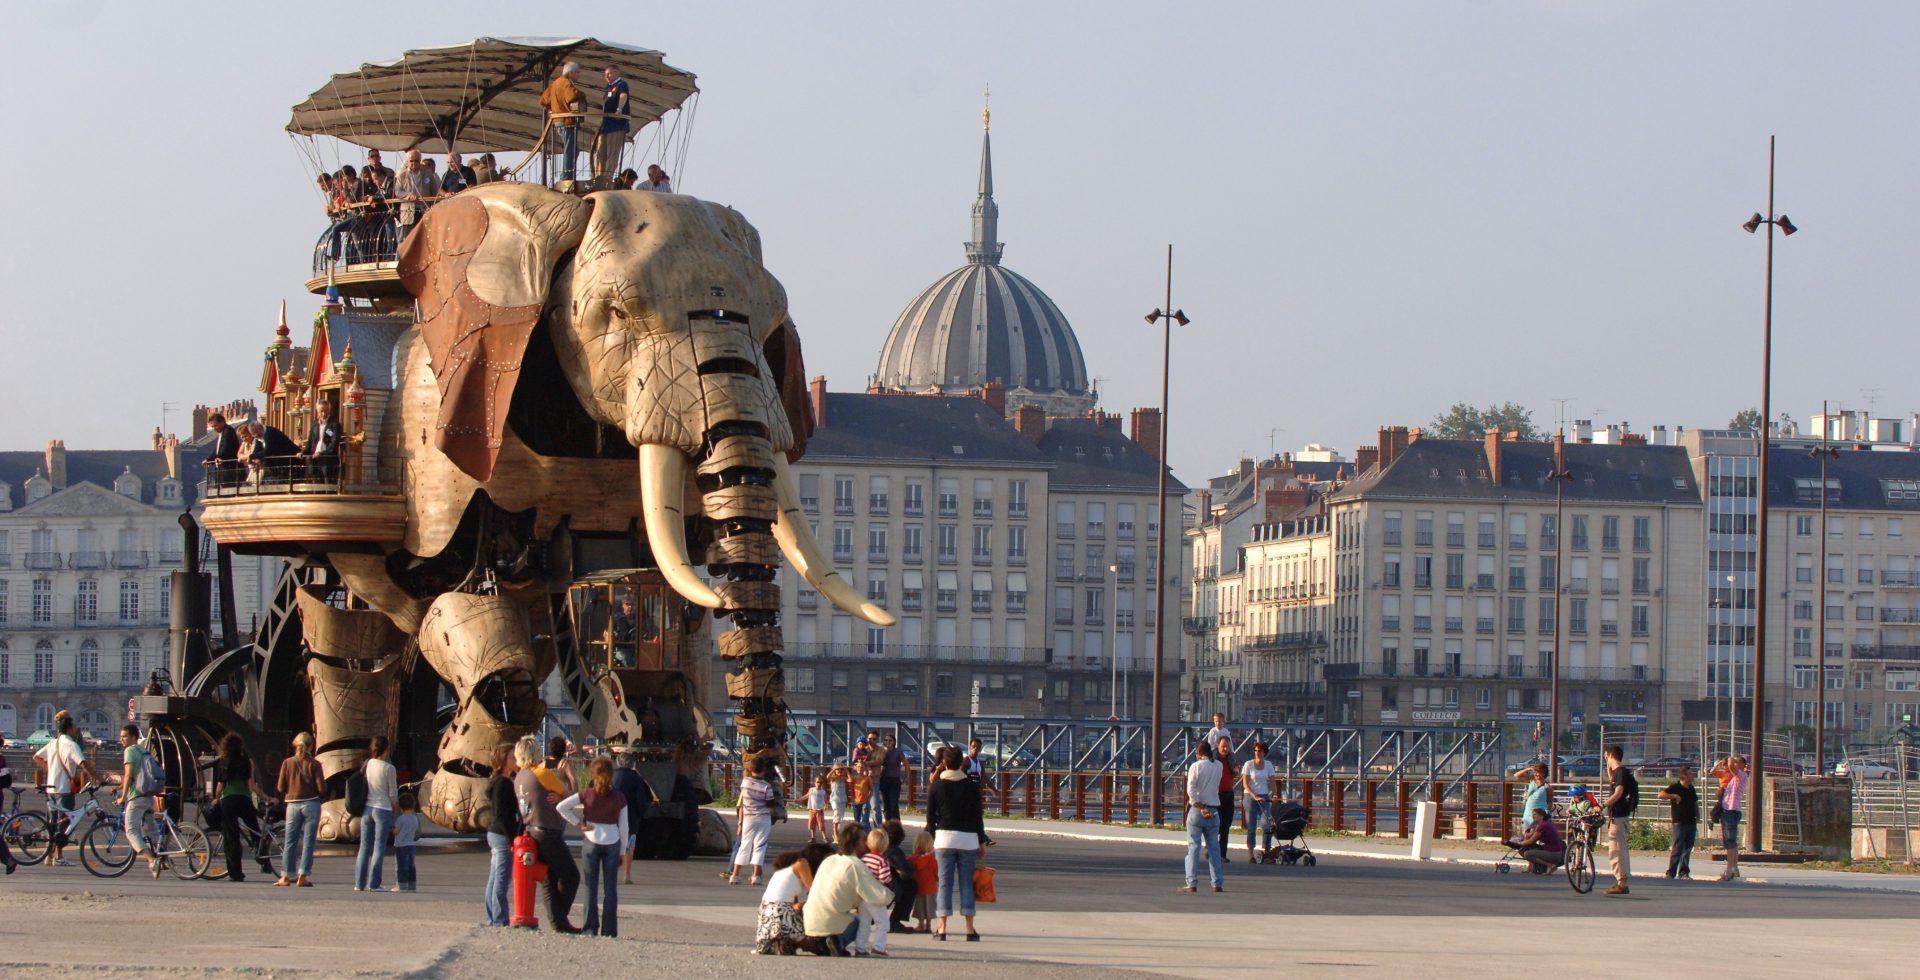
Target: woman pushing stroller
x: 1541, y: 845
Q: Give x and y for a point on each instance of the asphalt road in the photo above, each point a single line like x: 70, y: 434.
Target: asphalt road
x: 1068, y: 908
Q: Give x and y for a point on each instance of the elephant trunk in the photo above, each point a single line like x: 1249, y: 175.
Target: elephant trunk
x: 736, y: 478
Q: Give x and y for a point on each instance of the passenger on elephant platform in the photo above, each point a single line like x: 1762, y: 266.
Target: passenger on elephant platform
x: 378, y: 174
x: 657, y: 180
x: 415, y: 189
x: 322, y: 452
x: 458, y: 176
x: 223, y: 464
x: 272, y: 453
x: 627, y: 180
x: 484, y: 170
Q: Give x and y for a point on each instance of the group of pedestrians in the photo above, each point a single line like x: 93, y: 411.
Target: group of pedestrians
x: 847, y: 897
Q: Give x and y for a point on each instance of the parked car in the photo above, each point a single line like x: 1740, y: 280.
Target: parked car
x: 1583, y: 766
x: 1865, y: 769
x: 38, y: 739
x: 1528, y: 764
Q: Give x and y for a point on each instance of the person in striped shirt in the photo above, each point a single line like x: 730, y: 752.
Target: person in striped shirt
x: 872, y: 938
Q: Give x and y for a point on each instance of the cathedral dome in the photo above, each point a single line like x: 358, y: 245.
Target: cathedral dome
x: 984, y: 323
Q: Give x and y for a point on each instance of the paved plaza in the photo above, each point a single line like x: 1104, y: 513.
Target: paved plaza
x: 1079, y: 907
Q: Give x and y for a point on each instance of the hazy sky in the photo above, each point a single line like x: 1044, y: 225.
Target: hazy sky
x: 1378, y: 208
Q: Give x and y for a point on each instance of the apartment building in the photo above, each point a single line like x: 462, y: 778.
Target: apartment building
x: 88, y: 542
x: 1455, y: 562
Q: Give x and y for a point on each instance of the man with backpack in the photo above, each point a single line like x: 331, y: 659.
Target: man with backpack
x: 142, y: 780
x: 1619, y: 807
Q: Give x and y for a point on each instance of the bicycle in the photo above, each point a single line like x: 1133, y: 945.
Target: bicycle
x: 63, y: 822
x: 263, y: 839
x: 28, y: 834
x: 1580, y: 851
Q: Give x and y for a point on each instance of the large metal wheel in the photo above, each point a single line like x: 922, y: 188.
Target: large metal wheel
x: 105, y: 852
x: 1580, y: 866
x: 29, y: 837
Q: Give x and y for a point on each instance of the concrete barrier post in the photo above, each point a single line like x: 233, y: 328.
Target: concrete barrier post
x: 1426, y: 813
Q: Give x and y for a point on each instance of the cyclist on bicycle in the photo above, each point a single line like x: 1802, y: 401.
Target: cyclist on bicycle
x: 136, y: 807
x: 62, y: 759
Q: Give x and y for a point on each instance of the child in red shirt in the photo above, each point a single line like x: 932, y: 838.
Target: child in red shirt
x: 926, y: 879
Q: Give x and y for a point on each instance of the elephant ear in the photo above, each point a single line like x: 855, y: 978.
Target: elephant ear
x: 481, y: 265
x: 782, y: 351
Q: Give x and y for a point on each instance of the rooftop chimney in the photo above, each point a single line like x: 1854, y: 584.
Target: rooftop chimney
x: 1030, y: 421
x: 1393, y: 442
x: 995, y: 395
x: 200, y: 413
x: 158, y: 440
x: 1494, y: 443
x: 1282, y: 502
x: 1632, y: 439
x: 171, y: 447
x: 57, y: 463
x: 817, y: 393
x: 1146, y: 432
x: 1365, y: 458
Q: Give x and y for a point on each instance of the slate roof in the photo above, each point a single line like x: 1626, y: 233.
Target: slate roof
x: 96, y: 466
x: 1085, y: 453
x: 958, y: 431
x: 1860, y: 473
x: 1456, y: 469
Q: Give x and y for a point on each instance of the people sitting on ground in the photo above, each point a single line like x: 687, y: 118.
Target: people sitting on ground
x: 780, y: 929
x: 223, y: 463
x: 1541, y: 845
x: 415, y: 189
x: 458, y: 176
x: 657, y: 180
x: 322, y: 451
x: 484, y: 171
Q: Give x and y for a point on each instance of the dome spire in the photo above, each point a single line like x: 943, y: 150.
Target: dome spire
x: 983, y: 249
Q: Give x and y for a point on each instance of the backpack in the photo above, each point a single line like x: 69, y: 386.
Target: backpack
x: 149, y: 779
x: 357, y: 793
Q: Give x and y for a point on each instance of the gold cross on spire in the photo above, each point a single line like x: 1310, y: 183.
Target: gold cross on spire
x: 986, y: 109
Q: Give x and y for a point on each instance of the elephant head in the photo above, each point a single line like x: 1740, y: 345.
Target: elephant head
x: 667, y: 327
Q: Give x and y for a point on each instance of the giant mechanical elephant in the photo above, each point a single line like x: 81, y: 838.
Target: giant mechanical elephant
x: 617, y: 364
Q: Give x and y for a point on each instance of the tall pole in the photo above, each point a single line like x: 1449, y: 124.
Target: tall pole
x: 1155, y: 795
x: 1820, y: 628
x: 1757, y: 755
x: 1560, y: 476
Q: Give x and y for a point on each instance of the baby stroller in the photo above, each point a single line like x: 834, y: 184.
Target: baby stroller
x: 1289, y: 830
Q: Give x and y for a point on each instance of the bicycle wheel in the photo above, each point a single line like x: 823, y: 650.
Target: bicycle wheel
x: 216, y: 869
x: 1580, y: 867
x: 105, y: 852
x: 29, y: 837
x: 190, y: 860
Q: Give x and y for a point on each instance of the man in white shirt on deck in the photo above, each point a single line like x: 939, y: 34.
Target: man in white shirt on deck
x: 1203, y: 818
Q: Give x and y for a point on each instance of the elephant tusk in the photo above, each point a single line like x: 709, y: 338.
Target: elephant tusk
x: 797, y: 542
x: 663, y: 487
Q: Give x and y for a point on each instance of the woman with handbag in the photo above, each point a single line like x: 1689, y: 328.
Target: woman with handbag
x: 1732, y: 775
x: 956, y: 820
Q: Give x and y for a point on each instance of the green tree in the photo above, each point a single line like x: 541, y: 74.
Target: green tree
x: 1747, y: 421
x: 1463, y: 421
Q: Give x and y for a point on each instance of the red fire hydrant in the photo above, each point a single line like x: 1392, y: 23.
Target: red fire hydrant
x: 528, y: 871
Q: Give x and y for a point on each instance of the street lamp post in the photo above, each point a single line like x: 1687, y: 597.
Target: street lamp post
x: 1113, y: 655
x: 1166, y: 317
x: 1561, y: 476
x: 1823, y: 452
x: 1757, y: 754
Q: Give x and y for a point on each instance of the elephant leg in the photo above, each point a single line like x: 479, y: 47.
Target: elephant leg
x: 354, y: 678
x: 482, y: 647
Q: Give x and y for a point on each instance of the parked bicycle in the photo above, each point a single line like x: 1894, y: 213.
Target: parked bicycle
x: 28, y: 834
x: 36, y: 844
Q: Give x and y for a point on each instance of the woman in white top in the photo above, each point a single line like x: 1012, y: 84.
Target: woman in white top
x: 1256, y: 784
x: 601, y: 814
x: 754, y: 816
x: 383, y: 788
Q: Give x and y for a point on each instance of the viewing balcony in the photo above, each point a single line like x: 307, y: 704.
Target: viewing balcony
x: 288, y: 506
